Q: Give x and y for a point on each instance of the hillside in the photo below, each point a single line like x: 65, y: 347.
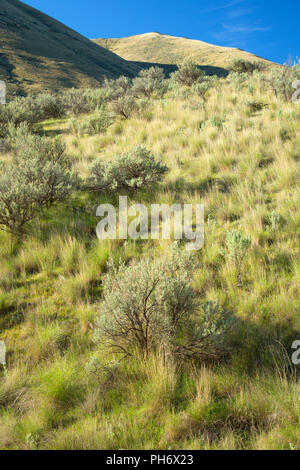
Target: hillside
x: 65, y: 385
x: 38, y: 52
x: 164, y: 49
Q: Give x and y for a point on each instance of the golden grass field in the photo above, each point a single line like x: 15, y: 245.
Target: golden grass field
x: 165, y: 49
x: 244, y: 166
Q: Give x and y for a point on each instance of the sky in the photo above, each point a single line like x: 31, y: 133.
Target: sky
x: 267, y: 28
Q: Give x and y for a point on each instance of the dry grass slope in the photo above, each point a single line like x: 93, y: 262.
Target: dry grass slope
x: 164, y: 49
x: 243, y: 163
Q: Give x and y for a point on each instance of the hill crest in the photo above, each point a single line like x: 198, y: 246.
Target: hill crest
x: 170, y: 50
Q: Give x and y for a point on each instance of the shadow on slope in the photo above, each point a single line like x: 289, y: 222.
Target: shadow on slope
x: 168, y: 68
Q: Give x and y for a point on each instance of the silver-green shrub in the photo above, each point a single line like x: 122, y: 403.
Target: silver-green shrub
x: 246, y: 66
x: 150, y: 82
x: 21, y: 110
x: 97, y: 123
x: 151, y: 304
x: 39, y: 176
x: 202, y: 86
x: 119, y: 93
x: 124, y: 106
x: 115, y: 89
x: 187, y: 74
x: 144, y: 304
x: 3, y: 122
x: 274, y: 220
x: 282, y: 80
x: 237, y: 79
x: 96, y: 98
x: 237, y: 247
x: 75, y: 101
x: 130, y: 171
x: 208, y: 337
x: 48, y: 106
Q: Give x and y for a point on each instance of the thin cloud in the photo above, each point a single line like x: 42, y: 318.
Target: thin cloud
x: 238, y: 12
x: 245, y: 29
x: 230, y: 31
x: 231, y: 4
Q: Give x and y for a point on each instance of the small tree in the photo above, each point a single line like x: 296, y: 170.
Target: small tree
x: 150, y: 82
x: 187, y: 74
x: 137, y: 169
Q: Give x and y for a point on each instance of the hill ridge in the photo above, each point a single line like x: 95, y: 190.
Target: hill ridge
x: 170, y: 50
x: 39, y: 52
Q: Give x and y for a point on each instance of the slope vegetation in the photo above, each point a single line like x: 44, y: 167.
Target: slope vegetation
x: 237, y: 152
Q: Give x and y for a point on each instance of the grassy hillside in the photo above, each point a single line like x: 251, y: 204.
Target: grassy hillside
x: 237, y: 152
x: 164, y: 49
x: 37, y: 52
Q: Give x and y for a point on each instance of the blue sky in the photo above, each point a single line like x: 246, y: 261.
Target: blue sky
x: 268, y: 28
